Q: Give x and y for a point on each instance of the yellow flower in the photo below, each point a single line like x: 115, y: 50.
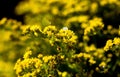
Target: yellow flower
x: 100, y: 56
x: 103, y: 2
x: 34, y: 7
x: 86, y: 56
x: 89, y: 30
x: 108, y: 45
x: 38, y: 64
x: 55, y: 11
x: 116, y: 41
x: 94, y: 25
x: 94, y: 7
x: 84, y: 25
x: 40, y: 55
x: 64, y: 74
x: 59, y: 72
x: 109, y: 27
x: 27, y: 54
x: 62, y: 56
x: 35, y: 28
x: 86, y: 38
x: 102, y: 64
x: 72, y: 19
x: 19, y: 69
x: 80, y: 55
x: 67, y: 36
x: 47, y: 58
x: 112, y: 1
x: 97, y: 69
x: 92, y: 61
x: 50, y: 30
x: 3, y: 20
x: 83, y: 18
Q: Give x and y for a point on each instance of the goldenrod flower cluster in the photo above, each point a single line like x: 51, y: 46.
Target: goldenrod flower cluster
x: 50, y: 30
x: 63, y: 35
x: 94, y: 25
x: 34, y: 66
x: 34, y: 29
x: 66, y: 36
x: 110, y: 44
x: 80, y: 19
x: 62, y: 38
x: 105, y: 2
x: 95, y: 56
x: 63, y: 74
x: 71, y: 29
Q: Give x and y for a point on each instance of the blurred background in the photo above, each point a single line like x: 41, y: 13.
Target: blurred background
x: 7, y: 9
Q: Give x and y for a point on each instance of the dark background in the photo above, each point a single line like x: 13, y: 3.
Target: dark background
x: 7, y: 8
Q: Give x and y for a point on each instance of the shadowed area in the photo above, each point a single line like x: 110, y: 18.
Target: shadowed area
x: 7, y: 9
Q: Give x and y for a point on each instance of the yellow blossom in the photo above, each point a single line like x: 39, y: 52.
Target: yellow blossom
x: 102, y: 64
x: 64, y: 74
x: 67, y: 36
x: 19, y: 69
x: 112, y: 1
x: 83, y: 18
x: 108, y: 45
x: 55, y: 11
x: 62, y: 56
x: 86, y: 56
x: 103, y: 2
x: 50, y: 30
x: 47, y: 58
x: 27, y: 54
x: 94, y: 25
x: 86, y: 38
x: 80, y: 55
x: 100, y: 56
x: 92, y: 61
x: 116, y: 41
x: 90, y: 48
x: 97, y: 69
x: 35, y: 28
x: 40, y: 55
x: 109, y: 27
x: 94, y: 7
x: 84, y: 25
x: 2, y: 21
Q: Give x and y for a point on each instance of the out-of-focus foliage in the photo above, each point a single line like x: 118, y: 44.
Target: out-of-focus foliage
x: 66, y: 12
x: 11, y: 45
x: 62, y: 38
